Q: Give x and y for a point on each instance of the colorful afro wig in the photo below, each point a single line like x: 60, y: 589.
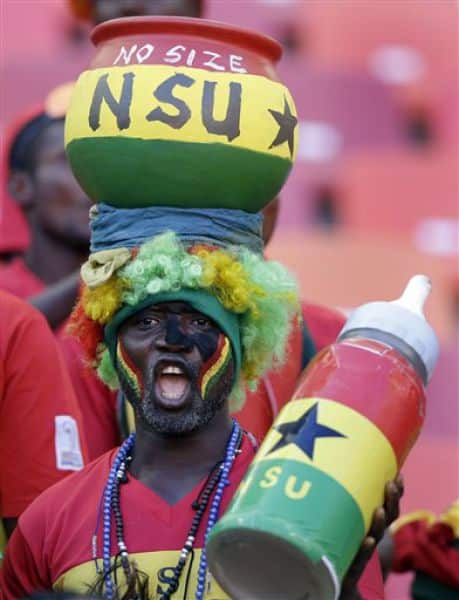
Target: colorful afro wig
x: 261, y: 293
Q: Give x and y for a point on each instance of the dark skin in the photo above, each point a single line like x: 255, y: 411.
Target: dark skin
x: 104, y: 10
x: 270, y: 216
x: 56, y: 210
x: 171, y: 465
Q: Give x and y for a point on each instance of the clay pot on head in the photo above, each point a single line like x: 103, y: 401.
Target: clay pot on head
x: 181, y: 112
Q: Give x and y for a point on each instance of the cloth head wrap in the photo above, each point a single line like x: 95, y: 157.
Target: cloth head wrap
x: 114, y: 231
x: 129, y: 228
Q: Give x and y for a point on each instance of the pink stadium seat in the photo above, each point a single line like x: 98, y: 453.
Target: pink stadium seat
x: 358, y: 107
x: 393, y: 192
x: 301, y: 197
x: 445, y: 114
x: 411, y: 46
x: 34, y: 30
x: 339, y: 113
x: 355, y: 34
x: 29, y: 83
x: 272, y: 17
x: 345, y: 269
x: 36, y: 53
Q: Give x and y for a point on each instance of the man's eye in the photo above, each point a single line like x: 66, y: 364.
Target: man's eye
x: 148, y: 321
x: 201, y: 323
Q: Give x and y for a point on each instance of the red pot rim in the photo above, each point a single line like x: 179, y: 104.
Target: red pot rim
x: 222, y: 32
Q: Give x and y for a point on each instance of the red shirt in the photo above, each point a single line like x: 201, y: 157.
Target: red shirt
x: 52, y: 544
x: 277, y: 387
x: 97, y: 402
x: 16, y: 278
x: 40, y: 423
x: 14, y: 231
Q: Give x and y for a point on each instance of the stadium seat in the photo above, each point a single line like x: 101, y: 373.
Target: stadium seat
x: 276, y: 18
x: 345, y: 269
x: 410, y: 46
x: 394, y: 192
x: 339, y: 113
x: 401, y: 42
x: 359, y: 108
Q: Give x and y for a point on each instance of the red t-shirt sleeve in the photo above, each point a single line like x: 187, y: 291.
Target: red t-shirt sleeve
x: 323, y: 323
x: 20, y: 573
x: 39, y: 415
x: 419, y: 546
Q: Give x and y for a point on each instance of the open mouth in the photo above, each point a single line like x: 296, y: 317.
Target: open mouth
x: 172, y: 385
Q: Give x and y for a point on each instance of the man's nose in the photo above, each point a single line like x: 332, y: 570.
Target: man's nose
x: 174, y: 339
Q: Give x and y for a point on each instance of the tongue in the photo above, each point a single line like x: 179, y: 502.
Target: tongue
x: 173, y: 386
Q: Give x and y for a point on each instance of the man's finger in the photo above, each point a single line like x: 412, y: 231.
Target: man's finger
x: 356, y: 569
x: 392, y: 501
x: 378, y: 524
x: 400, y: 483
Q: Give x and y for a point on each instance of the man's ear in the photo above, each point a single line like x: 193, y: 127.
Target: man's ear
x: 21, y: 187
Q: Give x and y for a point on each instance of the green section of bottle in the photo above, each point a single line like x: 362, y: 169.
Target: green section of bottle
x: 296, y: 503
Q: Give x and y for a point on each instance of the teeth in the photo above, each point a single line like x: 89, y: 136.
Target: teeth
x: 171, y: 370
x: 171, y: 395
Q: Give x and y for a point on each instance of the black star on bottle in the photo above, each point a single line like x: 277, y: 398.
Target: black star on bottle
x: 287, y: 123
x: 304, y: 432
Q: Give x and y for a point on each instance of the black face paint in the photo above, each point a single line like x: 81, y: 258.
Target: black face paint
x: 175, y: 336
x: 205, y: 341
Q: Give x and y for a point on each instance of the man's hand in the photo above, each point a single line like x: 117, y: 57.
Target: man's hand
x: 382, y: 518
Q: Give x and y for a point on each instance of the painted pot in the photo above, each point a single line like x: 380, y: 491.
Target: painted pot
x: 181, y: 112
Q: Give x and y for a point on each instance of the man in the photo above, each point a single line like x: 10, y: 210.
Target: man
x: 178, y: 328
x: 55, y: 208
x: 41, y: 438
x: 42, y: 263
x: 98, y: 11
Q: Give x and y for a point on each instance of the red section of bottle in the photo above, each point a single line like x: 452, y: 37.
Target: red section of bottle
x: 215, y: 47
x: 374, y: 380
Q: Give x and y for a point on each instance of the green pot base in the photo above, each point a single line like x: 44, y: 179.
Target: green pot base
x: 135, y: 173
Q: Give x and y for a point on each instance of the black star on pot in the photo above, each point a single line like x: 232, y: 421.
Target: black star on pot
x: 304, y: 432
x: 287, y: 123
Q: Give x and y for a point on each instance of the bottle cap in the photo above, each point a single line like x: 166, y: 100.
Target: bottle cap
x: 403, y: 319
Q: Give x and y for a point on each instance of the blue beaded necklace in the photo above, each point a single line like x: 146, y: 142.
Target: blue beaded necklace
x: 110, y: 505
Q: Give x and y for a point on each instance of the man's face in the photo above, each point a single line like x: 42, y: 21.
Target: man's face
x: 60, y: 205
x: 175, y: 366
x: 104, y: 10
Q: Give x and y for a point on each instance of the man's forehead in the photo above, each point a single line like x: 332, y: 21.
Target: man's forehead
x: 176, y: 307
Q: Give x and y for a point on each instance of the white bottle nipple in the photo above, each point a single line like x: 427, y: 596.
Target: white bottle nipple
x: 415, y: 294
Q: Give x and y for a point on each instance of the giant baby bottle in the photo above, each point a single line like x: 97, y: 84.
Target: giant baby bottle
x: 305, y: 505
